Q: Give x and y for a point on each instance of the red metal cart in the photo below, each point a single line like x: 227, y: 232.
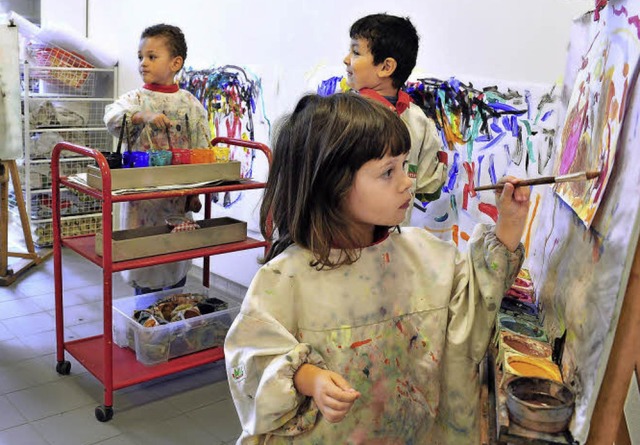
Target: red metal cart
x: 113, y: 366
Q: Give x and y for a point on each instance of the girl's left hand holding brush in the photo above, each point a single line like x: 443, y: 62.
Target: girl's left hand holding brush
x: 513, y: 208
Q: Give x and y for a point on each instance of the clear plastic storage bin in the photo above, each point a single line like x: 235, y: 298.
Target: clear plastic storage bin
x: 160, y: 343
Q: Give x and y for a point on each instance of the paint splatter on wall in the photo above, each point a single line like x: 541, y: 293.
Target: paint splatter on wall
x: 231, y: 97
x: 492, y: 131
x: 489, y: 132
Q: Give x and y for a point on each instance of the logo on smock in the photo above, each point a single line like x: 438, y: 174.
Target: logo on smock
x: 412, y: 171
x: 238, y: 373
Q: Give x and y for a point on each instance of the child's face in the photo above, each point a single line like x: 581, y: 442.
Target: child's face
x: 156, y: 64
x: 361, y: 72
x: 380, y: 194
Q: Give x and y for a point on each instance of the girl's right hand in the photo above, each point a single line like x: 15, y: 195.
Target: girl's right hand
x: 331, y: 392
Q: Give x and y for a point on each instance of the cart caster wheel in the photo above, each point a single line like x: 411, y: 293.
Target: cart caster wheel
x: 63, y: 367
x: 104, y: 413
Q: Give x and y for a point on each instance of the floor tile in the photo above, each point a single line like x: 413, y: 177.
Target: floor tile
x: 10, y: 415
x: 179, y: 430
x: 5, y: 334
x: 40, y: 322
x: 18, y: 308
x: 13, y: 351
x: 49, y: 399
x: 219, y: 418
x: 22, y: 435
x: 75, y: 427
x: 40, y: 407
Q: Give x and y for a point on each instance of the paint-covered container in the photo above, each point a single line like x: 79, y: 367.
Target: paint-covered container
x: 521, y: 327
x: 525, y: 366
x: 540, y: 404
x: 511, y: 343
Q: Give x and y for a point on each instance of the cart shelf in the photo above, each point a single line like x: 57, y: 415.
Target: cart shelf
x: 113, y: 366
x: 89, y: 352
x: 85, y: 246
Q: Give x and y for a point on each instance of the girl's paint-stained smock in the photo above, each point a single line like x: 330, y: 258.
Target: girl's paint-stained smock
x: 154, y: 212
x: 406, y: 325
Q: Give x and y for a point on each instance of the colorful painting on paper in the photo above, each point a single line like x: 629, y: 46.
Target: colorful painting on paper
x: 581, y: 271
x: 490, y: 129
x: 596, y: 111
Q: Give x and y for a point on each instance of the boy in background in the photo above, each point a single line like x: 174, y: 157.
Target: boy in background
x: 382, y: 54
x: 156, y: 108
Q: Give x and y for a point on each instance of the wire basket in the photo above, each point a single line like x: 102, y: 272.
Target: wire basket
x: 44, y: 55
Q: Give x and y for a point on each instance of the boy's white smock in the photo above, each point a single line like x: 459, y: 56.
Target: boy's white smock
x: 406, y: 325
x: 154, y: 212
x: 424, y: 166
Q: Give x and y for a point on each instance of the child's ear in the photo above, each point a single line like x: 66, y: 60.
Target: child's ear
x: 176, y: 63
x: 387, y: 67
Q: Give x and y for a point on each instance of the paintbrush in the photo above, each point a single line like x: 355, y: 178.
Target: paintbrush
x: 581, y: 176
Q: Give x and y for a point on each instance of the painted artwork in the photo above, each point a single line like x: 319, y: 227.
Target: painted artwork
x: 490, y: 129
x: 234, y: 100
x: 595, y: 112
x: 581, y: 270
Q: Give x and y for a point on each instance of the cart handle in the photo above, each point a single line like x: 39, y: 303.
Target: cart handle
x: 244, y: 143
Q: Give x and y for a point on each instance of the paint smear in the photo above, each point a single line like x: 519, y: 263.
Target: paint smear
x: 490, y: 210
x: 532, y: 218
x: 357, y: 344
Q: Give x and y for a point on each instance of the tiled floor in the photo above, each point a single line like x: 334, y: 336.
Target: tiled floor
x: 40, y: 407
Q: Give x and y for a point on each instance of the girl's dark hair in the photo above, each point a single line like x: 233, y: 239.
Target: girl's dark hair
x: 175, y: 38
x: 317, y: 151
x: 389, y: 36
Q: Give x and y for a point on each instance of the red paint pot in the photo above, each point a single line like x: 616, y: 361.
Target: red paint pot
x: 180, y: 156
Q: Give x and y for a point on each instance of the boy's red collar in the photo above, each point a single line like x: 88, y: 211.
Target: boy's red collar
x: 404, y: 100
x: 161, y: 88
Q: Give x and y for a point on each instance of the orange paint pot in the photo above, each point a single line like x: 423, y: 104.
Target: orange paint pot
x: 524, y: 366
x: 202, y: 156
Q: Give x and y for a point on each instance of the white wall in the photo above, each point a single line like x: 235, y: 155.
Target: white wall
x: 495, y: 39
x: 287, y: 41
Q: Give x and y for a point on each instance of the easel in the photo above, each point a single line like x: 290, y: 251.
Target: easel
x: 608, y: 423
x: 9, y: 170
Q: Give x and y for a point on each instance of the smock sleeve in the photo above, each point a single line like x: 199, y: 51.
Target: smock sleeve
x: 482, y: 276
x: 129, y: 104
x: 431, y: 171
x: 262, y: 355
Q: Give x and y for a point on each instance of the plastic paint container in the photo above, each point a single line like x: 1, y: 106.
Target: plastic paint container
x: 202, y: 156
x: 158, y: 158
x: 180, y: 156
x: 135, y: 159
x: 222, y: 154
x: 114, y: 160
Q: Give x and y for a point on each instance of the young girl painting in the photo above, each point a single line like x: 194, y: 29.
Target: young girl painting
x: 356, y: 331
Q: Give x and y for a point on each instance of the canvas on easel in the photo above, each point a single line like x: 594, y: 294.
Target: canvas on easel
x: 10, y: 150
x: 10, y: 134
x: 582, y: 266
